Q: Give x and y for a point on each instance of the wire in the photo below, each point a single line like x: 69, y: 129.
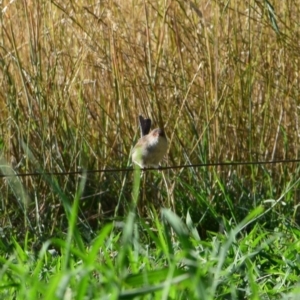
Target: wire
x: 214, y: 164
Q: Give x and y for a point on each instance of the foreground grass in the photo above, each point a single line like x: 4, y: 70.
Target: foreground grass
x: 163, y: 258
x: 165, y: 261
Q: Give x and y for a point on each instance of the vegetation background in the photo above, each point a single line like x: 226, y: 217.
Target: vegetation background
x: 222, y: 78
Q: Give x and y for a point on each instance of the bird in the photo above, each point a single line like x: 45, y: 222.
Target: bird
x: 151, y: 147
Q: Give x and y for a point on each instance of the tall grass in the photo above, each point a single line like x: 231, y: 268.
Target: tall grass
x: 222, y: 77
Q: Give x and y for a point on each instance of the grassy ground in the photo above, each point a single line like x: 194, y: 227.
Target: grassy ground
x: 222, y: 78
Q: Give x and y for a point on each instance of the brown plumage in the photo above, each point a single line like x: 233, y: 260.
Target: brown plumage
x: 151, y: 148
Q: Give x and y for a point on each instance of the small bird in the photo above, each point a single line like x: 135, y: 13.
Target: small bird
x: 151, y: 147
